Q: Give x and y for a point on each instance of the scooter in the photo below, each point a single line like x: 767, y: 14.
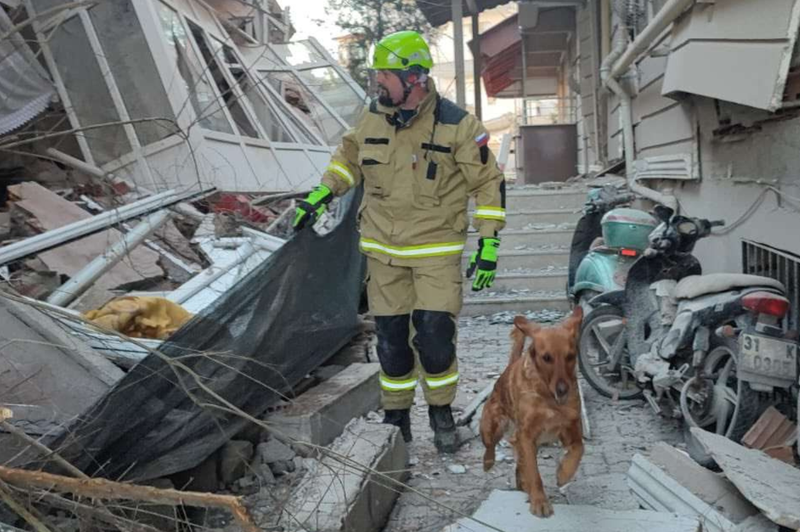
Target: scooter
x: 709, y: 346
x: 606, y: 242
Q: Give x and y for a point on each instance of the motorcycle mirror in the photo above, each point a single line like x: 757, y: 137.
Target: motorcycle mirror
x: 663, y: 213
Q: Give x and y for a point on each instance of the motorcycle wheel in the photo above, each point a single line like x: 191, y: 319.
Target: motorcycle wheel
x: 734, y: 405
x: 594, y: 348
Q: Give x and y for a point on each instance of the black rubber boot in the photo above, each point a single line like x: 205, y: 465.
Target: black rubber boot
x: 402, y: 419
x: 445, y: 437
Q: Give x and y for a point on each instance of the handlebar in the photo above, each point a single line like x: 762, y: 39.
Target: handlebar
x: 602, y: 204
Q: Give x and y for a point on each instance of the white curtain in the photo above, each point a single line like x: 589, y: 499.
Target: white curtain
x: 25, y: 88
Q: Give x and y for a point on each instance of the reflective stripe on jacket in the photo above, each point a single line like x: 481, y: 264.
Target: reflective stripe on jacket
x: 418, y: 179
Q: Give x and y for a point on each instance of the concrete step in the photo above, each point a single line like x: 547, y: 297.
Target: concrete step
x: 530, y: 200
x: 530, y: 238
x: 534, y: 281
x: 526, y: 218
x: 486, y: 305
x: 527, y: 259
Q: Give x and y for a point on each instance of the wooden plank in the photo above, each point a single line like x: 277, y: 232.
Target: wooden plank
x: 51, y: 212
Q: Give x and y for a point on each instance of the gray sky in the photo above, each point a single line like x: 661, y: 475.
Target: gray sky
x: 303, y: 12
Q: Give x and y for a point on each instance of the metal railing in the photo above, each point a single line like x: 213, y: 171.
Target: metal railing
x: 547, y: 111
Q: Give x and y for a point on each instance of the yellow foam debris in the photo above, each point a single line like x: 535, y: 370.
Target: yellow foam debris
x: 141, y: 316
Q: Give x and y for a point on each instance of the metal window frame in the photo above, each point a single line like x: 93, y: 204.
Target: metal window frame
x: 146, y: 12
x: 99, y: 55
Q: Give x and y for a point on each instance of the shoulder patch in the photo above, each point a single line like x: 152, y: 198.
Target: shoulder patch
x: 450, y: 113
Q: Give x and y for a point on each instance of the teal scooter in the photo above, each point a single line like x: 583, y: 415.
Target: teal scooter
x: 607, y: 241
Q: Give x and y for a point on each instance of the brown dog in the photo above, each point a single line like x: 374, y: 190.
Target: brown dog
x: 538, y: 396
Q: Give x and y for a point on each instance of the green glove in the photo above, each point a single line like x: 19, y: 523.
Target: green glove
x: 485, y: 261
x: 311, y: 208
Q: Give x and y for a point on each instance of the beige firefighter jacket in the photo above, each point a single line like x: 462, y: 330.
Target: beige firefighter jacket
x: 417, y: 181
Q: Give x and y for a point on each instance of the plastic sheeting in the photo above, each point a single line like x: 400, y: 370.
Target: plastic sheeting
x: 265, y: 334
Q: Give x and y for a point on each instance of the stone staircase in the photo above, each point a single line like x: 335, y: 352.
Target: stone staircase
x: 534, y: 253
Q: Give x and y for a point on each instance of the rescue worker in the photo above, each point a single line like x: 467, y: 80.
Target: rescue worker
x: 420, y: 158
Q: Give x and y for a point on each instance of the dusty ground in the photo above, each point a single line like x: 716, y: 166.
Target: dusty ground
x: 619, y: 430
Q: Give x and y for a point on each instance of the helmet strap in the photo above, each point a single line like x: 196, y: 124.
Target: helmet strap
x: 410, y: 78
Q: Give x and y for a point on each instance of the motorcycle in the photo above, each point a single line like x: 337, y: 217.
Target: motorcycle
x: 606, y: 242
x: 710, y: 347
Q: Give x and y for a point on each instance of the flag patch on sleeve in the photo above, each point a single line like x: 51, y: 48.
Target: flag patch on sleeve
x: 482, y: 139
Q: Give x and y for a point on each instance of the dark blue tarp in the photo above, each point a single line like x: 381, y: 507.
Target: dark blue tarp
x: 265, y: 334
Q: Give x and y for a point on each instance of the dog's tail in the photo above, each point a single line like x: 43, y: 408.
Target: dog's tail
x: 518, y: 346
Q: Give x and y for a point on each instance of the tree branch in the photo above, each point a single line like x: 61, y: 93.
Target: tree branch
x: 100, y: 488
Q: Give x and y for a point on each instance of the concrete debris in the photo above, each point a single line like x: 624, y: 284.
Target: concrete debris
x: 52, y: 213
x: 49, y: 385
x: 769, y: 484
x: 672, y: 482
x: 347, y: 489
x: 457, y: 469
x: 319, y: 415
x: 508, y: 510
x: 273, y: 451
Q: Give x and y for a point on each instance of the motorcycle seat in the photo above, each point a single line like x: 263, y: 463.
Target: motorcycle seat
x: 700, y: 285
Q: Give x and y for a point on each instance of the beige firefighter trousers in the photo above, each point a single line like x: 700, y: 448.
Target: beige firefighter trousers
x: 401, y: 292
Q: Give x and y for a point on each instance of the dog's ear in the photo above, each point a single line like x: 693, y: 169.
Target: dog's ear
x: 527, y: 327
x: 573, y: 323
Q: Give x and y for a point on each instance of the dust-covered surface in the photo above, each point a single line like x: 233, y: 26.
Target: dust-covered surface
x: 447, y: 492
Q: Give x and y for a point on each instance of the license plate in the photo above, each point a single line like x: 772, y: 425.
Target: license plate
x: 768, y: 356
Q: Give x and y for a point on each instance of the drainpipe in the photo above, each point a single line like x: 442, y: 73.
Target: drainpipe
x: 615, y: 64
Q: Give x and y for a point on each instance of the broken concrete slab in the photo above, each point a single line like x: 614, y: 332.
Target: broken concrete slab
x: 602, y: 491
x: 756, y: 523
x: 769, y: 484
x: 319, y: 415
x: 670, y: 481
x: 508, y: 510
x: 342, y: 491
x: 50, y: 376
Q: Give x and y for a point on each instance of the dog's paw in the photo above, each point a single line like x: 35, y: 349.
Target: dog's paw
x: 541, y: 507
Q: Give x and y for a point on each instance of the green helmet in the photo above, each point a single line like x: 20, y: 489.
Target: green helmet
x: 401, y: 51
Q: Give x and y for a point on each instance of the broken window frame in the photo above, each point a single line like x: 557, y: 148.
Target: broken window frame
x: 304, y: 138
x: 329, y: 62
x: 42, y: 32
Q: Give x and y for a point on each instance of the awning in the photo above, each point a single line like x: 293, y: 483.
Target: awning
x: 547, y: 45
x: 439, y: 12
